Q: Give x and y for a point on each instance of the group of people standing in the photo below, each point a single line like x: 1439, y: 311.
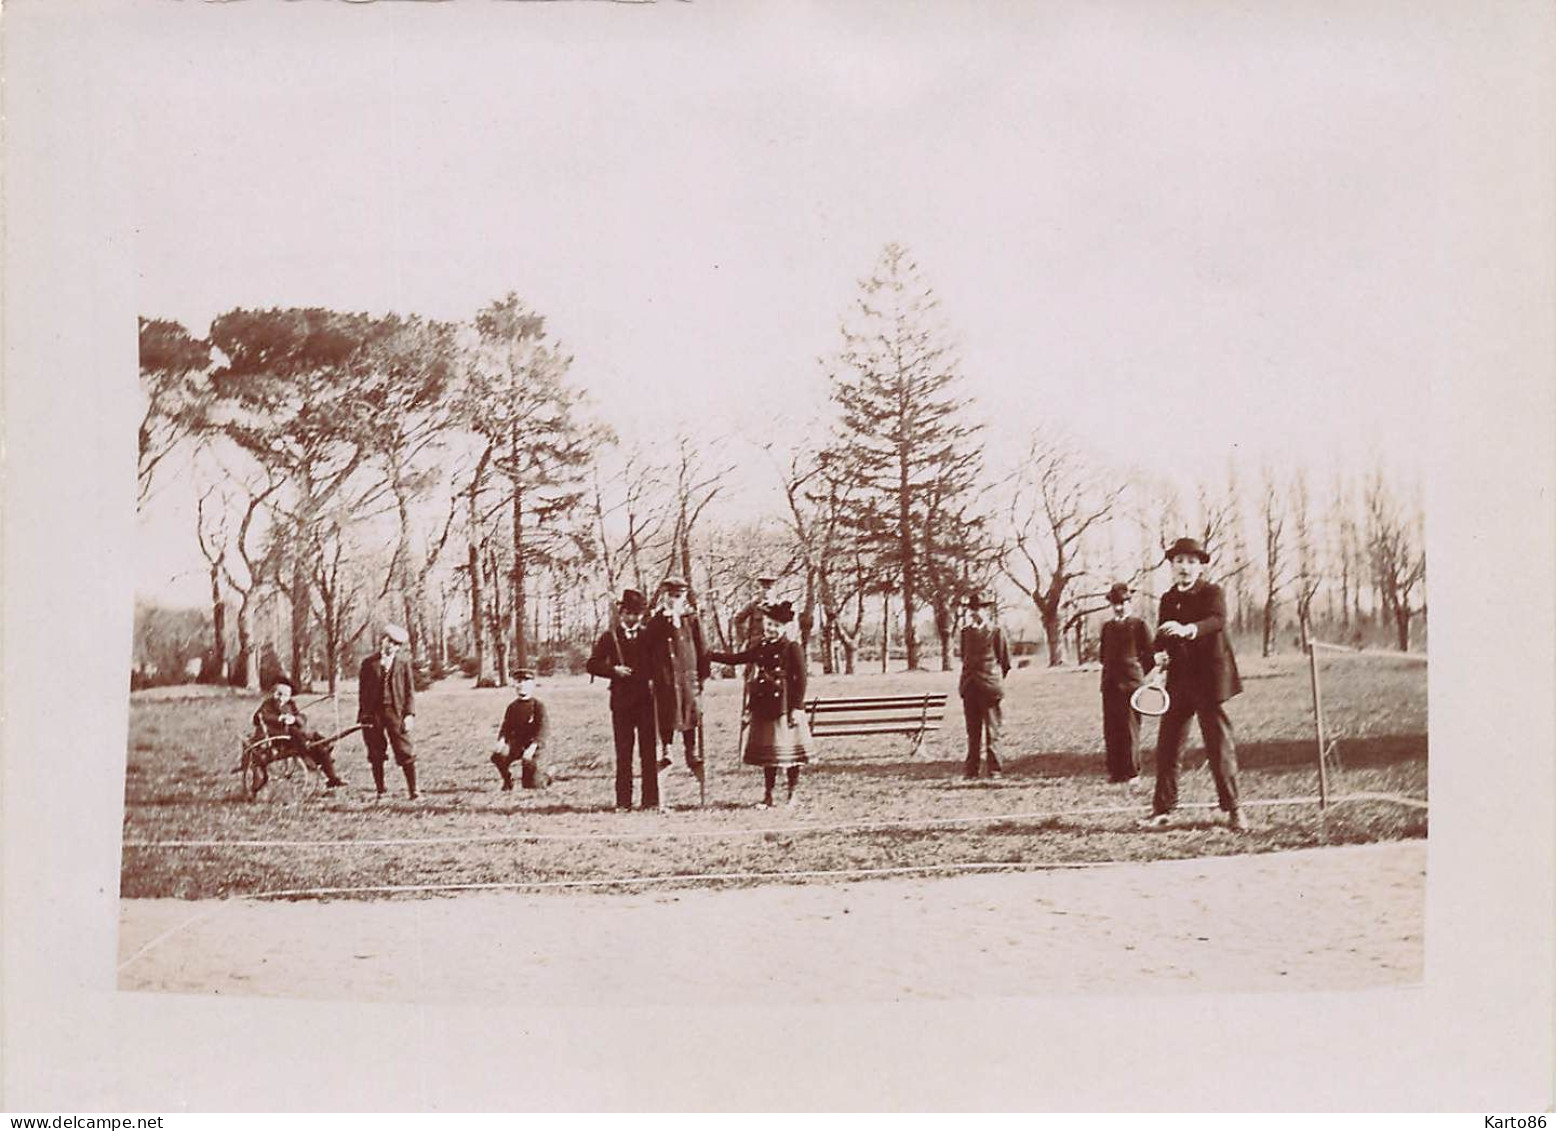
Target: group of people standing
x: 656, y: 660
x: 1189, y: 642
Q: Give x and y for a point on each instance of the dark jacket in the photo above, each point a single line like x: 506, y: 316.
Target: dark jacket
x: 985, y: 661
x: 781, y: 659
x: 614, y: 649
x: 1127, y: 653
x: 1202, y: 670
x: 269, y: 717
x: 383, y: 701
x: 525, y: 722
x: 678, y: 667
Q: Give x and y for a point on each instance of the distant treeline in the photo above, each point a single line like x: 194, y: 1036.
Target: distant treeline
x: 451, y: 476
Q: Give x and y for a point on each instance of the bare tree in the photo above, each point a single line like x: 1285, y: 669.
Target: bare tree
x: 1059, y: 499
x: 692, y: 489
x: 1397, y: 547
x: 1309, y: 575
x: 261, y: 570
x: 212, y: 531
x: 1272, y: 513
x: 819, y: 493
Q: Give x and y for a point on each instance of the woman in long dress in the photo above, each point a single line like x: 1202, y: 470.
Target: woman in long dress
x: 778, y: 736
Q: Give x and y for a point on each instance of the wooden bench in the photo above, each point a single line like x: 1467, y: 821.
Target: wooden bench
x: 913, y: 715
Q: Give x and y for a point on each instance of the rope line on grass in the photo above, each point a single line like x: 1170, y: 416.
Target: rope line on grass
x: 779, y: 830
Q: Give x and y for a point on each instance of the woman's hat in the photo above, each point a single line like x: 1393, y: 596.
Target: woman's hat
x: 1186, y: 546
x: 396, y: 633
x: 521, y: 674
x: 673, y: 583
x: 780, y: 611
x: 633, y: 601
x: 1118, y: 593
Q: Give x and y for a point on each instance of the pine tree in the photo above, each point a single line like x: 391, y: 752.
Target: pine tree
x: 907, y: 448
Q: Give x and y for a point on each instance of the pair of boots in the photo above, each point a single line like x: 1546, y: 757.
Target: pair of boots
x: 410, y: 778
x: 770, y: 779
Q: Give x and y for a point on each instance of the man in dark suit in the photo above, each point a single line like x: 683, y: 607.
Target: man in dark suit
x: 1127, y: 658
x: 621, y: 656
x: 386, y: 706
x: 985, y: 663
x: 1201, y: 676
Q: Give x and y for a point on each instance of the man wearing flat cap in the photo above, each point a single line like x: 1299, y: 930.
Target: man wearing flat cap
x: 386, y: 706
x: 749, y: 622
x: 621, y: 656
x: 985, y: 664
x: 1201, y: 676
x: 678, y: 667
x: 1127, y: 658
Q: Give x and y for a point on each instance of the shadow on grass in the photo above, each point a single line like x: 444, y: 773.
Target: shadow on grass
x: 1354, y: 753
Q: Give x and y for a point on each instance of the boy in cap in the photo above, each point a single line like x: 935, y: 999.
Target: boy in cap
x: 386, y: 706
x: 522, y: 736
x: 1127, y: 658
x: 621, y: 656
x: 678, y: 667
x: 985, y: 664
x: 279, y: 715
x: 1201, y: 676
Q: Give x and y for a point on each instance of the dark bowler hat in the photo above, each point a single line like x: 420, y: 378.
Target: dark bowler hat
x: 1118, y: 593
x: 521, y: 674
x: 286, y: 679
x: 1186, y: 546
x: 780, y: 611
x: 979, y: 601
x: 633, y: 602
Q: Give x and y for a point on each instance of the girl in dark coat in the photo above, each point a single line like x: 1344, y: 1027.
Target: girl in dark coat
x: 776, y: 699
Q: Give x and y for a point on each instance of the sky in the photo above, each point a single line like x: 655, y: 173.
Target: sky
x: 1180, y: 232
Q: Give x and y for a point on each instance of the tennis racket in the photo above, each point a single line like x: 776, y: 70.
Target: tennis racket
x: 1151, y: 697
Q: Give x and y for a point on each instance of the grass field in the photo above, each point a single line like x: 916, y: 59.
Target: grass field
x: 181, y: 751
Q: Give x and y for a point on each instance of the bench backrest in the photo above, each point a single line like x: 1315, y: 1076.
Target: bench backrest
x: 877, y: 714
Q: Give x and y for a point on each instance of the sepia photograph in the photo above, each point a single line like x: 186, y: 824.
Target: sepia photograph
x: 765, y: 530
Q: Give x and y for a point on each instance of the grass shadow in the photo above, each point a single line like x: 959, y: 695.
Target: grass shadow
x: 1354, y: 753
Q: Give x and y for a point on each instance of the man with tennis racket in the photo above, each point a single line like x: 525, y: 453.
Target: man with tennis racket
x: 1202, y: 675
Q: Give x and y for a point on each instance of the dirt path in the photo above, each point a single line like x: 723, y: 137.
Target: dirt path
x: 1331, y: 919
